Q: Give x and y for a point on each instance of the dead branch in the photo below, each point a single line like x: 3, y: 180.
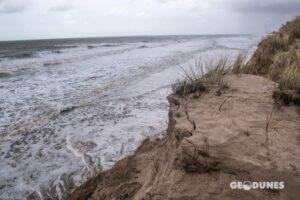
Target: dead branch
x: 222, y: 105
x: 268, y: 120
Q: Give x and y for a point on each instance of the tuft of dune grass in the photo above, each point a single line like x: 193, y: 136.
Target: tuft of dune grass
x: 191, y: 82
x: 239, y: 64
x: 195, y: 81
x: 286, y: 70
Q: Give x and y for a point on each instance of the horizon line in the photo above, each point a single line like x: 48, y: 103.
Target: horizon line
x: 122, y: 36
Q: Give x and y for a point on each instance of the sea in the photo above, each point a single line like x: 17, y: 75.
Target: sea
x: 70, y: 108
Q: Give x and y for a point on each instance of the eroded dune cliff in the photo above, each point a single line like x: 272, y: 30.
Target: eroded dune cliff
x: 210, y: 142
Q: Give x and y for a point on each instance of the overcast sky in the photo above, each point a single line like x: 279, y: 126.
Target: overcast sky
x: 36, y: 19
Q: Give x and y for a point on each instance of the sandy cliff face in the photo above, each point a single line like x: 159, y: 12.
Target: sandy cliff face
x: 211, y: 141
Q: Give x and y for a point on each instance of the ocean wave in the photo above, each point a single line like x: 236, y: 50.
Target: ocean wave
x: 5, y: 75
x: 91, y: 47
x: 56, y: 51
x: 66, y: 46
x: 19, y: 56
x: 68, y: 109
x: 110, y: 45
x: 51, y: 64
x: 143, y: 47
x: 3, y: 51
x: 219, y: 46
x: 103, y: 45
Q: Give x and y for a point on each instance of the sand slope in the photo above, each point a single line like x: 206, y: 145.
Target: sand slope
x: 222, y: 139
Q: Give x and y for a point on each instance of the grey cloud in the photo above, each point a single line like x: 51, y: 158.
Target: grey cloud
x: 289, y: 7
x: 133, y: 17
x: 61, y: 8
x: 12, y: 6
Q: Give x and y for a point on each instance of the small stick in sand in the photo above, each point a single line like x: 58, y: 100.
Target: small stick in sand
x: 188, y: 118
x: 222, y: 105
x: 268, y: 120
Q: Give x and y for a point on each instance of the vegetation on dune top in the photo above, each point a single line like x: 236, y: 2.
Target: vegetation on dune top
x: 277, y: 58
